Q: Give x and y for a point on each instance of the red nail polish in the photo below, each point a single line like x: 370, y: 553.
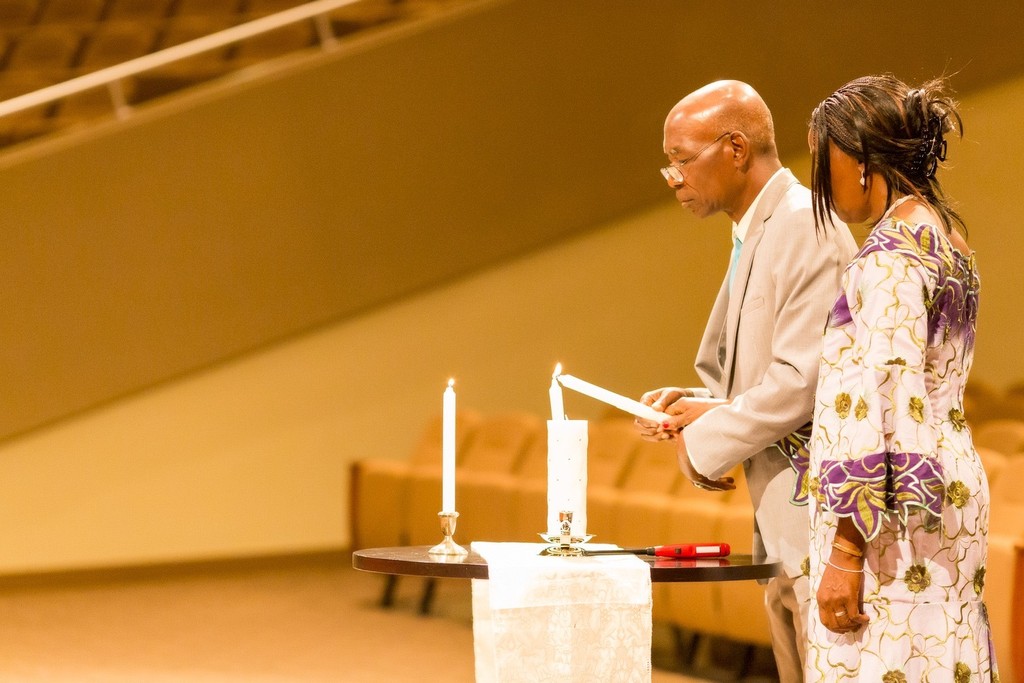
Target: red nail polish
x: 665, y: 425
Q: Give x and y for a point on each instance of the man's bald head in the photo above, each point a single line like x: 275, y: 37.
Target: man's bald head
x: 720, y: 144
x: 726, y: 106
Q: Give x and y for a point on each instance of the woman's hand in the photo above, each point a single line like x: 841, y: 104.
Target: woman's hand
x: 842, y: 583
x: 659, y: 399
x: 685, y: 411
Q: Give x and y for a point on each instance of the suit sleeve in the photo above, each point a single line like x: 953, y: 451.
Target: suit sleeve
x: 805, y: 270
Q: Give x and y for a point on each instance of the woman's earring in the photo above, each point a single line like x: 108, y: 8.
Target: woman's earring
x: 863, y: 180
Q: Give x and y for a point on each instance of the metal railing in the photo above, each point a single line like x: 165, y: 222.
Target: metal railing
x: 112, y: 76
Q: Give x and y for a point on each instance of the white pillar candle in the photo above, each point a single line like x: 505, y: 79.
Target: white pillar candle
x: 448, y: 449
x: 567, y: 474
x: 555, y: 396
x: 611, y: 398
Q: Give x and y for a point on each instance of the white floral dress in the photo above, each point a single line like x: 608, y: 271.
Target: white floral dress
x: 890, y: 449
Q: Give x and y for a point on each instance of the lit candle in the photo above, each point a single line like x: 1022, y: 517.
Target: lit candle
x: 448, y: 449
x: 611, y: 398
x: 555, y: 394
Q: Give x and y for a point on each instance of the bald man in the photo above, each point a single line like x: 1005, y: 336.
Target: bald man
x: 758, y: 359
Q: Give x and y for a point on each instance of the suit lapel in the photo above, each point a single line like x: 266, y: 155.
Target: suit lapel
x: 769, y: 200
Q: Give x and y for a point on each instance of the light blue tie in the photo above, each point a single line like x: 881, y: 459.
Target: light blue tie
x: 736, y: 247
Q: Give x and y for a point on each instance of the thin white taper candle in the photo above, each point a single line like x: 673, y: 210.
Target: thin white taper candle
x: 448, y: 449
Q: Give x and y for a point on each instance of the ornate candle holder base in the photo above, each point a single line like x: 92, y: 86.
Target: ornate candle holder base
x: 565, y: 540
x: 448, y: 547
x: 564, y: 546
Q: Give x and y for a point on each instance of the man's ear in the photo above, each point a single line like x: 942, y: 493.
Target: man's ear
x: 740, y: 145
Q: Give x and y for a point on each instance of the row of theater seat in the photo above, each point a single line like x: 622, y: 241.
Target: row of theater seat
x: 984, y: 402
x: 43, y: 42
x: 1000, y: 443
x: 636, y: 497
x: 17, y: 15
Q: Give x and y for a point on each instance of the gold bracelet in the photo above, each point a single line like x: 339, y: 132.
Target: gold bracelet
x: 852, y: 552
x: 844, y: 569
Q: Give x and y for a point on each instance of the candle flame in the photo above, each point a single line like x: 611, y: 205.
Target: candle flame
x: 451, y: 382
x: 558, y: 370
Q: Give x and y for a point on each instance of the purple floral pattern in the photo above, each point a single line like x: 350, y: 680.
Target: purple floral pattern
x: 894, y: 482
x: 953, y: 303
x: 795, y: 448
x: 891, y: 450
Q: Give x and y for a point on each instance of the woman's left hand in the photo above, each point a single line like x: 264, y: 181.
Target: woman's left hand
x: 839, y: 605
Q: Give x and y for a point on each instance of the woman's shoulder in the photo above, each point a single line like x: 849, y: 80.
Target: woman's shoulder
x: 915, y: 212
x: 916, y: 240
x: 920, y: 246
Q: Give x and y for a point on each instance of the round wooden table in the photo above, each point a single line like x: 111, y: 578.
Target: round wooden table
x: 417, y: 561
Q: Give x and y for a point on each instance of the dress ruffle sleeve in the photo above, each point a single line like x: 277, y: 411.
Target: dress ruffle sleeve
x: 881, y: 444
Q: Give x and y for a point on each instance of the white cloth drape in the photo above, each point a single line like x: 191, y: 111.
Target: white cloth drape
x: 565, y: 619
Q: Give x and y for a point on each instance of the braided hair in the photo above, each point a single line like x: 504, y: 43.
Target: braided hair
x: 894, y: 130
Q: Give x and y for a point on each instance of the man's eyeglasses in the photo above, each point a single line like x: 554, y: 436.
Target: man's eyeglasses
x: 674, y: 172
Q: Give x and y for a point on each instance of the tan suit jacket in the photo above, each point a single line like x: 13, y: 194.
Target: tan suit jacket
x: 761, y: 348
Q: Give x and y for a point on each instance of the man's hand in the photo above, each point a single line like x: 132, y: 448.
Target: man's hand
x: 685, y: 411
x: 695, y: 477
x: 659, y: 399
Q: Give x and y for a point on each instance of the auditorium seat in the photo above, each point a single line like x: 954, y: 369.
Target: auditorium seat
x: 16, y: 14
x: 1004, y: 435
x: 363, y: 14
x: 696, y: 516
x: 80, y: 13
x: 260, y: 8
x: 981, y: 402
x: 151, y: 10
x: 114, y: 42
x: 493, y: 456
x: 191, y: 70
x: 993, y: 461
x: 90, y: 105
x: 285, y: 40
x: 30, y: 123
x: 1007, y: 499
x: 652, y: 476
x: 742, y: 602
x: 1013, y: 406
x: 528, y: 499
x: 610, y: 445
x: 379, y: 486
x: 1002, y: 577
x: 499, y: 443
x: 1003, y: 582
x: 636, y: 516
x: 60, y: 39
x: 14, y: 82
x: 45, y: 48
x: 207, y: 8
x: 491, y: 499
x: 636, y: 497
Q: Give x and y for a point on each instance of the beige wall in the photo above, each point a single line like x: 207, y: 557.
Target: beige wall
x: 251, y: 457
x: 986, y: 180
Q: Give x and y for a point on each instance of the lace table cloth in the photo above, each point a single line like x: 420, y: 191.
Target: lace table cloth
x: 565, y: 619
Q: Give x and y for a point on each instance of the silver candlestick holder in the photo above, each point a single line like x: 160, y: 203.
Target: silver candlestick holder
x: 448, y: 547
x: 564, y: 543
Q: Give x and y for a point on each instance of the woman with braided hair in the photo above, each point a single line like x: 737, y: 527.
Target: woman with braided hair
x: 899, y: 500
